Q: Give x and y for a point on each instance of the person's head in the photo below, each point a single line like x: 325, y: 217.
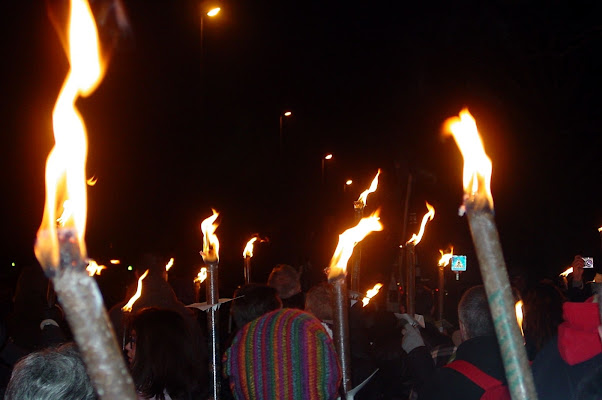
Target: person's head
x: 285, y: 354
x: 255, y: 300
x: 154, y: 263
x: 320, y: 301
x: 474, y: 315
x: 543, y: 313
x: 285, y: 279
x: 166, y: 355
x: 53, y: 373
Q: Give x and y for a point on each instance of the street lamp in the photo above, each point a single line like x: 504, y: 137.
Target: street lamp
x: 210, y: 12
x: 348, y: 182
x: 284, y: 114
x: 326, y: 157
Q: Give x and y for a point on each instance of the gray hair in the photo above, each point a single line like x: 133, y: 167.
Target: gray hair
x: 474, y: 313
x: 53, y: 373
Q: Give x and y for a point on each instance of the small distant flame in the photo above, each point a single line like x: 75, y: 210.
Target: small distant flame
x: 201, y: 276
x: 348, y: 240
x: 92, y: 181
x: 136, y: 296
x: 600, y: 229
x: 169, y: 264
x: 362, y: 200
x: 371, y: 293
x: 567, y: 272
x: 94, y: 269
x: 427, y: 217
x: 518, y: 309
x: 477, y: 165
x: 445, y: 257
x: 210, y: 251
x: 115, y: 262
x: 248, y: 251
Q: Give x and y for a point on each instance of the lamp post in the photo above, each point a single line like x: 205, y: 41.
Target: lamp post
x: 284, y: 114
x: 348, y: 182
x: 326, y: 157
x: 210, y: 12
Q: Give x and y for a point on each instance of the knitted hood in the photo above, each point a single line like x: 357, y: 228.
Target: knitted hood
x: 578, y: 338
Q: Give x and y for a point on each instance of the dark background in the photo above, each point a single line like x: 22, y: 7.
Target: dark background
x: 173, y: 132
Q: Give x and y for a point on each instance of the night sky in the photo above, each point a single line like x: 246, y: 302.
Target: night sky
x: 174, y: 131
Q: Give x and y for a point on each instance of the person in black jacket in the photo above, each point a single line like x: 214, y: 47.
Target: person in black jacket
x: 479, y: 347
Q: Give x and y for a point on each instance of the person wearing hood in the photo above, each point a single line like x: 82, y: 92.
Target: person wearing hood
x: 575, y: 353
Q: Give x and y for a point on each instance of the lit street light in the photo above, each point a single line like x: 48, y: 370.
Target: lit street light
x: 210, y: 12
x: 348, y: 182
x: 326, y: 157
x: 285, y: 114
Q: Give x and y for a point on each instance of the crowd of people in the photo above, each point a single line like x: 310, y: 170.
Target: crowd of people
x: 276, y: 342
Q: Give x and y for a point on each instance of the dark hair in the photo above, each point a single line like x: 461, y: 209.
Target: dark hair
x: 543, y: 313
x: 320, y: 301
x: 474, y: 313
x: 257, y: 299
x: 53, y: 373
x: 286, y: 280
x: 168, y: 356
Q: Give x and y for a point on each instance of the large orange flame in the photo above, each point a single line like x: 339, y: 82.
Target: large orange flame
x: 66, y: 164
x: 348, y: 240
x: 371, y: 293
x: 362, y: 200
x: 93, y: 268
x: 169, y: 264
x: 477, y: 165
x: 136, y: 296
x: 201, y: 276
x: 210, y: 251
x: 518, y: 309
x: 445, y: 257
x: 248, y: 251
x: 427, y: 217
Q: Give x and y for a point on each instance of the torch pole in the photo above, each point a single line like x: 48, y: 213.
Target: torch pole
x: 341, y: 329
x: 411, y: 279
x: 497, y: 285
x: 247, y: 269
x: 213, y: 329
x: 82, y: 302
x: 441, y: 296
x: 358, y: 208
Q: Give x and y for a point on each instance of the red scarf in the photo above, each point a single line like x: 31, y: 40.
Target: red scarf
x: 578, y: 338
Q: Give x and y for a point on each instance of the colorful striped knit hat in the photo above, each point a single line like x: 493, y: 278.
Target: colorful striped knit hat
x: 284, y: 354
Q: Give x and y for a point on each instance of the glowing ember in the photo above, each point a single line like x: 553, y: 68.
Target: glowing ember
x: 66, y: 164
x: 371, y: 293
x: 567, y: 272
x: 136, y: 296
x: 477, y: 165
x: 348, y: 240
x: 169, y: 264
x: 445, y: 257
x: 94, y: 269
x: 362, y: 200
x: 427, y: 217
x: 518, y: 308
x: 202, y: 275
x: 210, y: 251
x: 248, y: 251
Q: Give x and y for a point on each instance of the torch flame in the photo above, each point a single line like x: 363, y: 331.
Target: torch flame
x: 600, y: 229
x: 169, y: 264
x: 477, y: 165
x: 445, y: 257
x: 371, y: 293
x: 94, y: 269
x: 248, y: 251
x: 65, y: 167
x: 92, y: 181
x: 210, y: 251
x: 427, y: 217
x: 362, y: 200
x: 518, y: 309
x: 348, y: 240
x: 136, y: 296
x: 202, y: 275
x: 567, y: 272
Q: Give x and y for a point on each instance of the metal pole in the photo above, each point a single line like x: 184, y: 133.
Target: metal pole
x: 213, y: 329
x: 411, y: 279
x: 358, y: 208
x: 82, y: 302
x: 441, y: 295
x: 280, y: 137
x: 341, y: 329
x: 247, y: 270
x: 499, y: 294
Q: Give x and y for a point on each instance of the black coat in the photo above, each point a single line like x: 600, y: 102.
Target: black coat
x: 483, y: 352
